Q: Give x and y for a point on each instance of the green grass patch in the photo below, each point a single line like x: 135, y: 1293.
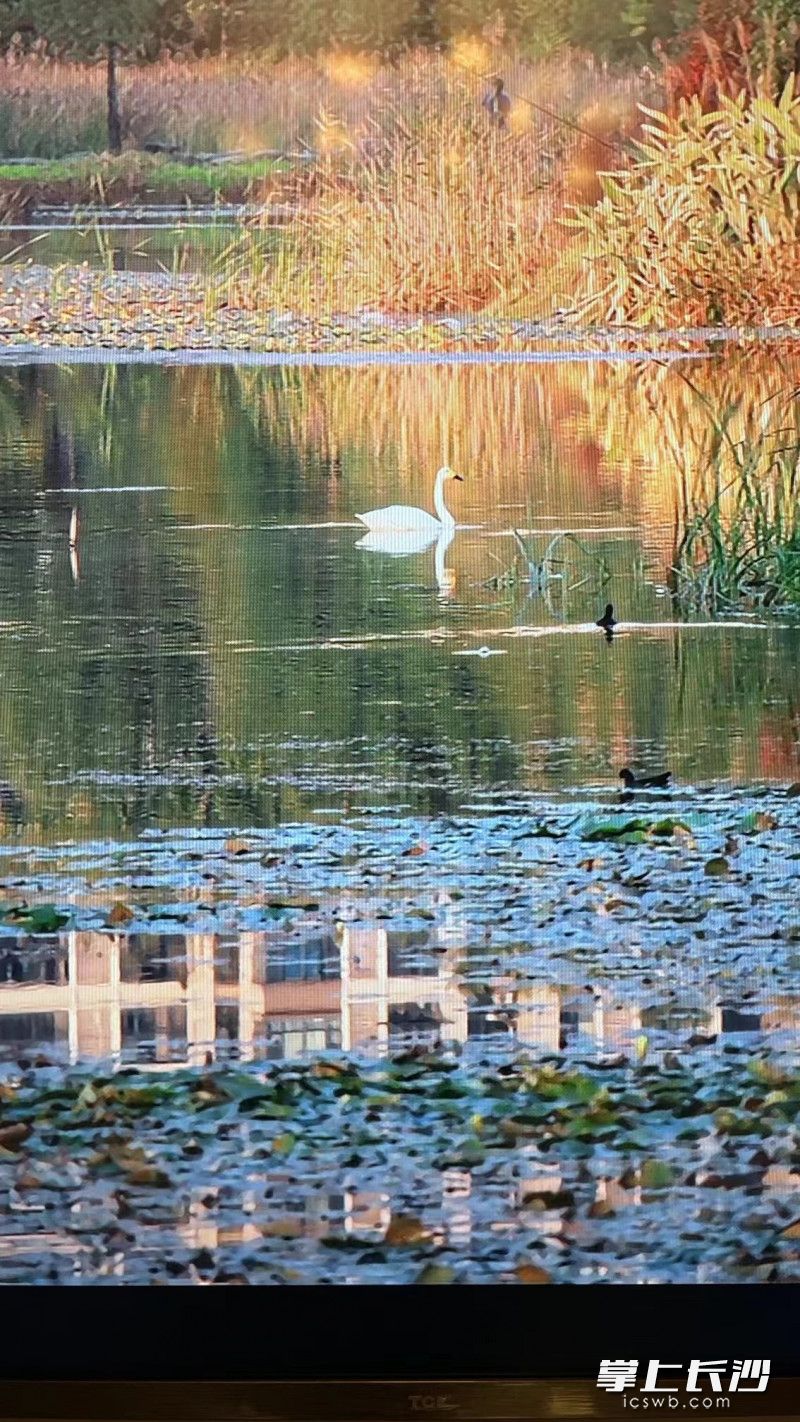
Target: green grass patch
x: 158, y: 173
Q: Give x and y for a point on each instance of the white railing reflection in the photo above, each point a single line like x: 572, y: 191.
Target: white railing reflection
x: 190, y: 998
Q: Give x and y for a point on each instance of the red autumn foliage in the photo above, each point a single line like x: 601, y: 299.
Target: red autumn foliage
x: 716, y: 61
x: 730, y: 50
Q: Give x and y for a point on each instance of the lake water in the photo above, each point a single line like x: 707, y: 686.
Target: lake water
x: 219, y: 650
x: 288, y: 796
x: 140, y: 239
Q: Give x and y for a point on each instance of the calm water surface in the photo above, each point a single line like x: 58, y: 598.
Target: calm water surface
x: 220, y: 650
x: 289, y: 796
x: 219, y: 654
x: 137, y: 240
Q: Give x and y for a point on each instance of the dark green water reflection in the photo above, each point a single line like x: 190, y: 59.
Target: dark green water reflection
x: 218, y: 650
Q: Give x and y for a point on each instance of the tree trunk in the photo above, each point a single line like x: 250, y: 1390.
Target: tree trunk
x: 223, y: 31
x: 426, y: 23
x: 112, y: 92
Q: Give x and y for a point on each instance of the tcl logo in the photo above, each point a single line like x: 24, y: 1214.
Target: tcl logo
x: 430, y: 1402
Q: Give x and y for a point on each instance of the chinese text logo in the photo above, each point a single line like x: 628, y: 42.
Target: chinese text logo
x: 707, y: 1384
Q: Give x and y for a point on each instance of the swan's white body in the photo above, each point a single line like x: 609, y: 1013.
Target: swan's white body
x: 407, y: 520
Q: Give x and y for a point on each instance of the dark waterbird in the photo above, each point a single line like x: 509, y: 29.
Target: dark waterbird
x: 608, y: 620
x: 645, y: 782
x: 497, y: 102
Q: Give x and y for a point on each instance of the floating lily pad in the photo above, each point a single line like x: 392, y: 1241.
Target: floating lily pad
x: 532, y: 1274
x: 118, y: 915
x: 43, y: 918
x: 406, y: 1229
x: 657, y: 1175
x: 237, y: 847
x: 757, y: 821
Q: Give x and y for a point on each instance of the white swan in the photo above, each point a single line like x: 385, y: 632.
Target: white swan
x: 398, y: 542
x: 405, y: 519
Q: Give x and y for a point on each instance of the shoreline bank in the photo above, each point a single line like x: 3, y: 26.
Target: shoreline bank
x: 88, y: 314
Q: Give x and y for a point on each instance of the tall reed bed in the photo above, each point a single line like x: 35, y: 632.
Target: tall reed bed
x: 739, y: 544
x: 714, y: 450
x: 441, y: 215
x: 49, y: 108
x: 416, y: 205
x: 420, y: 206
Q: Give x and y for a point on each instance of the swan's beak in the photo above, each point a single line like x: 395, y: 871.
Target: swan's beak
x: 459, y: 477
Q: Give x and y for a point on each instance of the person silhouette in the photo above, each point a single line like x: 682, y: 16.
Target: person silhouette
x: 497, y: 102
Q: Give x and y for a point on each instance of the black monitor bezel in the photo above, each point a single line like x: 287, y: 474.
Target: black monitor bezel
x: 473, y: 1331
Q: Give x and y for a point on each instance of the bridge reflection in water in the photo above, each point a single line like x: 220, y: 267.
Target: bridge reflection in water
x: 166, y: 1000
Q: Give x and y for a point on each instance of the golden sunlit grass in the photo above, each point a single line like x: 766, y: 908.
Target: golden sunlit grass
x: 473, y: 54
x: 417, y: 205
x: 420, y: 206
x: 607, y: 126
x: 350, y: 70
x: 449, y: 218
x: 49, y: 107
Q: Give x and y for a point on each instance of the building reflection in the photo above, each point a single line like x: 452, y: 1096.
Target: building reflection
x: 166, y: 1000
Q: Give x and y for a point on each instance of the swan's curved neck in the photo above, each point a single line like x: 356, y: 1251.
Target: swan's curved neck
x: 442, y: 511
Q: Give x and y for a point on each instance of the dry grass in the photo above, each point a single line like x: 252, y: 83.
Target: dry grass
x: 421, y: 207
x: 49, y: 108
x: 445, y: 217
x: 418, y: 205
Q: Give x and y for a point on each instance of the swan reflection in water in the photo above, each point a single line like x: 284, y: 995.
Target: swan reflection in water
x: 402, y: 543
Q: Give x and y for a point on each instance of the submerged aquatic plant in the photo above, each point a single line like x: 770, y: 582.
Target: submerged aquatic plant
x: 541, y: 575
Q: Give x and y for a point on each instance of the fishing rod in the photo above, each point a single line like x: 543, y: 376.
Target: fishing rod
x: 614, y: 145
